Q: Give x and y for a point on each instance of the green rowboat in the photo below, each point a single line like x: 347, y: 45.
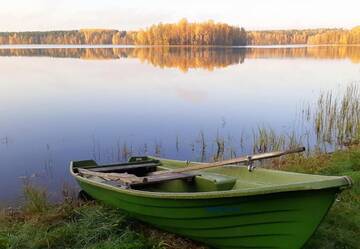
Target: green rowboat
x: 227, y: 208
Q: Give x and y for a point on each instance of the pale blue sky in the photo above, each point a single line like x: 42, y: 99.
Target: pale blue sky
x: 19, y: 15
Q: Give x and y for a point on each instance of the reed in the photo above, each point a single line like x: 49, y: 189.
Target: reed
x: 36, y: 199
x: 266, y: 139
x: 96, y: 148
x: 220, y: 148
x: 145, y: 149
x: 336, y: 119
x: 127, y: 151
x: 177, y: 144
x: 158, y: 149
x: 333, y: 122
x: 203, y: 146
x: 231, y: 148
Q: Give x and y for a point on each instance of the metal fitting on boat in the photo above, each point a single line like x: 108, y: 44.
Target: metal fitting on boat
x: 250, y: 163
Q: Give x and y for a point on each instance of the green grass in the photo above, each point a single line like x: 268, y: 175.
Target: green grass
x: 86, y: 226
x: 71, y: 224
x: 77, y: 225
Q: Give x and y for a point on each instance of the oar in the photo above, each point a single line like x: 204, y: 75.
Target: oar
x: 244, y: 159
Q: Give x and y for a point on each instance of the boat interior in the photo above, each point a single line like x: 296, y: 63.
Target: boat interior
x: 215, y: 179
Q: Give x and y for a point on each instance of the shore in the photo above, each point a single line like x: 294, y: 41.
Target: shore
x: 76, y: 224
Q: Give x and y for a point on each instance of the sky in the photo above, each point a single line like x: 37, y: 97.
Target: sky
x: 25, y: 15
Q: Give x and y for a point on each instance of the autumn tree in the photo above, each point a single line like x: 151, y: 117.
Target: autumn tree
x: 185, y: 33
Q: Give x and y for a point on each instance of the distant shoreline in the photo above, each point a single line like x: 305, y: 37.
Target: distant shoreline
x: 186, y: 33
x: 69, y: 46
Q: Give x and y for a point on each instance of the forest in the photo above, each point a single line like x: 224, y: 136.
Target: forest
x: 307, y: 36
x: 207, y: 33
x: 73, y: 37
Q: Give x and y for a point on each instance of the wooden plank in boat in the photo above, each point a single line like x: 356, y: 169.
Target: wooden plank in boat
x: 129, y: 180
x: 125, y: 168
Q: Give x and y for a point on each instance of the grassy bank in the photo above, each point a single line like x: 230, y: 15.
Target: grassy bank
x: 73, y: 224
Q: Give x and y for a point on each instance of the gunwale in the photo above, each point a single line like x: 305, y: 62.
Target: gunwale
x: 321, y: 182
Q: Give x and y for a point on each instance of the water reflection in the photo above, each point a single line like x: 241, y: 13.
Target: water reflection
x: 185, y: 58
x: 315, y: 52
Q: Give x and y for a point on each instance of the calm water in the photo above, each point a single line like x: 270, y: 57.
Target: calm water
x: 62, y: 104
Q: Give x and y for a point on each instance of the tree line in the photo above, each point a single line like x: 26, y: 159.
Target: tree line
x: 181, y: 33
x: 307, y: 36
x: 337, y: 37
x: 207, y: 33
x: 73, y: 37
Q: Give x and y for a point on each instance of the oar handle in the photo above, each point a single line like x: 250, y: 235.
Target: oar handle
x: 275, y: 154
x: 243, y: 159
x: 297, y: 150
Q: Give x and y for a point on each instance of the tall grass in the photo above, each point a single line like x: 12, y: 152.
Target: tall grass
x: 77, y: 225
x: 36, y: 199
x: 333, y: 121
x: 337, y: 118
x: 266, y: 139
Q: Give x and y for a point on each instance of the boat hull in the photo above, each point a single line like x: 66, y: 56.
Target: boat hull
x: 276, y: 220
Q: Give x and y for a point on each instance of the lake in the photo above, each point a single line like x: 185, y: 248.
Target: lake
x: 63, y: 103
